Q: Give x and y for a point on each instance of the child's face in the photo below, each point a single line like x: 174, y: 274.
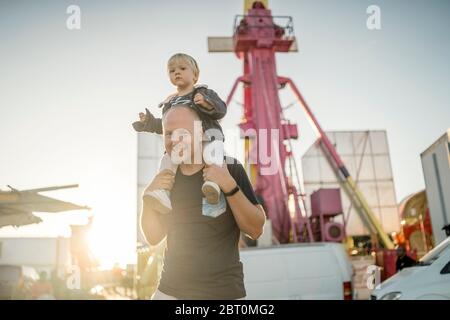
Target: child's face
x: 181, y: 74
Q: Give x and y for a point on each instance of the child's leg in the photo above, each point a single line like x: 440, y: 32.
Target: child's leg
x: 166, y: 163
x: 160, y: 199
x: 213, y: 153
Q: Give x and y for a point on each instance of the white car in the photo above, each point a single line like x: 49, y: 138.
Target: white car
x: 428, y: 280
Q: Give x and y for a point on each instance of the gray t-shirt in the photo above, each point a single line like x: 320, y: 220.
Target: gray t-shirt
x: 202, y: 256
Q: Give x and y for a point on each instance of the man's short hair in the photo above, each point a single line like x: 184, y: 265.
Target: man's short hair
x: 184, y: 106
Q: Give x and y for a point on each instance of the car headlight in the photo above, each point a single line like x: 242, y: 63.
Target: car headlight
x: 392, y: 296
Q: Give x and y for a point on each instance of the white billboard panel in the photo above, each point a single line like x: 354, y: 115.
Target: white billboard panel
x: 436, y: 170
x: 366, y: 156
x: 150, y: 149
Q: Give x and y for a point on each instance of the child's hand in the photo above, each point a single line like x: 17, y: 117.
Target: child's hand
x: 147, y: 123
x: 199, y: 99
x: 141, y: 117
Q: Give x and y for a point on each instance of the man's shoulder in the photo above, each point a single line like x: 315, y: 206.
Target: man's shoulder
x: 234, y: 166
x: 232, y: 161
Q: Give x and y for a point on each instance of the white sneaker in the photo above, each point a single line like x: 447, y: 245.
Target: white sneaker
x: 211, y: 191
x: 159, y: 200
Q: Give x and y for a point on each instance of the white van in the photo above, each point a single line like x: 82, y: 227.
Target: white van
x: 312, y: 271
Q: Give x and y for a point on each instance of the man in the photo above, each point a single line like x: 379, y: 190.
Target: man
x: 403, y: 260
x: 202, y: 256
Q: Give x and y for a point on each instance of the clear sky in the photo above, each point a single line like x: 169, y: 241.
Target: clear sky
x: 67, y: 98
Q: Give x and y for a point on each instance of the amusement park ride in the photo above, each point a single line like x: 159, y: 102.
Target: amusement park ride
x: 258, y: 35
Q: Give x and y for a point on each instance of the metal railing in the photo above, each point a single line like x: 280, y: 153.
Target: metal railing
x: 284, y: 23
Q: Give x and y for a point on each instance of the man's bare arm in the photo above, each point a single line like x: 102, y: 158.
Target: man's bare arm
x: 153, y: 226
x: 249, y: 217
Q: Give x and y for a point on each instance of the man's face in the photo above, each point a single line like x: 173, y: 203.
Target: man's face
x: 181, y: 74
x: 183, y: 135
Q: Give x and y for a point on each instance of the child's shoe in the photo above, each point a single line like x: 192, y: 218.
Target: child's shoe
x: 211, y: 191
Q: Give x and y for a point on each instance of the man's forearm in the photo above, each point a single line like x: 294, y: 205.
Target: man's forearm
x: 249, y: 217
x: 152, y: 225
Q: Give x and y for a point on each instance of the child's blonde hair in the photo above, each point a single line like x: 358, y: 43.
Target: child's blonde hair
x: 188, y: 59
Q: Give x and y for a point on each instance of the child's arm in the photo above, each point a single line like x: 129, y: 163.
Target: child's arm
x: 210, y: 103
x: 148, y: 123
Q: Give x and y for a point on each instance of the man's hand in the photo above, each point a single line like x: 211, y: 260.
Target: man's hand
x: 163, y: 180
x: 219, y: 175
x: 199, y: 99
x: 249, y: 217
